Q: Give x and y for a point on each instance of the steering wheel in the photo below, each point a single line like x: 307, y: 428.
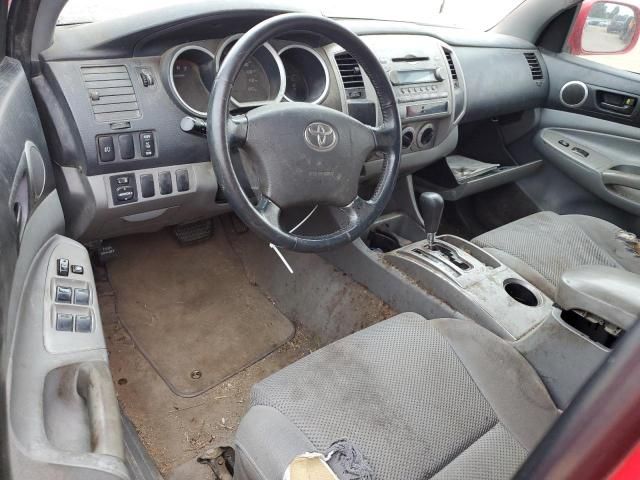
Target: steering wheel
x: 303, y: 154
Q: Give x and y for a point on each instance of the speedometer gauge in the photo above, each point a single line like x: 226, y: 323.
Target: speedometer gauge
x: 260, y: 80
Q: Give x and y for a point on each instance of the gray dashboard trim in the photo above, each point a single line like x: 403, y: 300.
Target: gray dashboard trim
x: 127, y: 37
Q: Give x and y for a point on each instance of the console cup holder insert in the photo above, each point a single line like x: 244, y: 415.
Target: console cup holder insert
x: 521, y: 292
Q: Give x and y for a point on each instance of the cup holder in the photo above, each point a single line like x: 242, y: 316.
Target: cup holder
x: 521, y: 292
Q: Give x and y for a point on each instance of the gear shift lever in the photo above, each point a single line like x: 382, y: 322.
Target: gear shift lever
x: 431, y: 206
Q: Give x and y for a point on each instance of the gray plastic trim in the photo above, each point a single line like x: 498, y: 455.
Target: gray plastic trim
x: 563, y: 357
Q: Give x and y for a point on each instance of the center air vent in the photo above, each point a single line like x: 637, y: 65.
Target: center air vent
x: 111, y: 93
x: 534, y: 65
x: 349, y: 71
x: 452, y: 67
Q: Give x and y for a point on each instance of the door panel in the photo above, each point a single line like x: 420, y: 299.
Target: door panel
x: 63, y: 418
x: 591, y: 151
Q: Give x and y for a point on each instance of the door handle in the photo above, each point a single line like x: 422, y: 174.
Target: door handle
x: 95, y: 386
x: 624, y: 179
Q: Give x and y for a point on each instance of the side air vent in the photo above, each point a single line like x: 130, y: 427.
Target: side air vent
x: 111, y: 93
x: 349, y: 71
x: 452, y: 66
x: 534, y: 65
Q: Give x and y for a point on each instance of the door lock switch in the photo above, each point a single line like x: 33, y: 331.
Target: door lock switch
x: 63, y: 294
x: 63, y: 267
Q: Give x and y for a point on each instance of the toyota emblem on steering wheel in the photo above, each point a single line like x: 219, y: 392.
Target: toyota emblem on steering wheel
x: 320, y: 136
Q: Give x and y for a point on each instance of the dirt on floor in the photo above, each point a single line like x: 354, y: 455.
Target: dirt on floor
x: 324, y: 304
x: 173, y: 429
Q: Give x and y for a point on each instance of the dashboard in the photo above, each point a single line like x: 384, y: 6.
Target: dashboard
x: 116, y: 109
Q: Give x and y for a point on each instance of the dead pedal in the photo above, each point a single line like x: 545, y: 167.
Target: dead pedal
x: 191, y: 233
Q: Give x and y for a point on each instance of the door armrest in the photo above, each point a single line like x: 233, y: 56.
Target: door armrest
x: 608, y: 293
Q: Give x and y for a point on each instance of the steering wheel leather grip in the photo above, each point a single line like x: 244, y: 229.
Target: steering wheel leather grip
x: 303, y: 154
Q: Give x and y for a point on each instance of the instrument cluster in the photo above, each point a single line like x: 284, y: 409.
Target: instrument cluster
x: 295, y: 73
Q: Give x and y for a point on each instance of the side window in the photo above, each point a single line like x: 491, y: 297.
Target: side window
x: 607, y: 32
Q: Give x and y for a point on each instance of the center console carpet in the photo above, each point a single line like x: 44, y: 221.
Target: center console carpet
x: 191, y: 311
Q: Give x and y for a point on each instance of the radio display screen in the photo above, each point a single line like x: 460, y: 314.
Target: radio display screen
x: 415, y: 76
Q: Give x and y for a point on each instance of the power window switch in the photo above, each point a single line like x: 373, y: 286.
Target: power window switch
x: 63, y: 267
x: 64, y: 322
x: 63, y: 294
x: 81, y: 296
x: 77, y: 269
x: 84, y: 323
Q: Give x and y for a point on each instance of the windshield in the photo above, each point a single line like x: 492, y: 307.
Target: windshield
x: 470, y: 14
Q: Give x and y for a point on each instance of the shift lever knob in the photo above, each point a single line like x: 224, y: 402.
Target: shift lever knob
x: 431, y: 207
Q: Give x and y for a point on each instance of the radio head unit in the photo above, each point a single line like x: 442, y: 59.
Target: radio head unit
x: 420, y: 86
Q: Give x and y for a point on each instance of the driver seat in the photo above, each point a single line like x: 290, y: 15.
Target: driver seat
x: 419, y: 399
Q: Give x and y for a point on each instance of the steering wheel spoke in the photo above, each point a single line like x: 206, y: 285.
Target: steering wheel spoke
x: 385, y: 138
x: 237, y: 127
x: 269, y: 211
x: 352, y: 214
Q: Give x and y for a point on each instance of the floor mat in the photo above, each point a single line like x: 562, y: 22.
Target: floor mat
x: 192, y: 311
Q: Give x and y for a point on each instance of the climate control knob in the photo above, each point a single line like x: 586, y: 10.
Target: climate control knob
x: 439, y: 74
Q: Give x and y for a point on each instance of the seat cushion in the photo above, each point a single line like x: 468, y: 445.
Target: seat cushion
x: 542, y: 246
x: 419, y: 398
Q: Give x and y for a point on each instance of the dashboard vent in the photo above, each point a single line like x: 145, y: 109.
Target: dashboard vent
x: 111, y: 93
x: 349, y: 71
x: 452, y: 66
x: 534, y: 65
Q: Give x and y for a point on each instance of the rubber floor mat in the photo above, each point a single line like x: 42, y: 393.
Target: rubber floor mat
x: 191, y: 311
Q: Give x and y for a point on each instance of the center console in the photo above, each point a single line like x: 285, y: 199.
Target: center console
x: 475, y: 282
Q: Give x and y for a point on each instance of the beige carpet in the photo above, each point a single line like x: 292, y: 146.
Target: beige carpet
x: 192, y: 311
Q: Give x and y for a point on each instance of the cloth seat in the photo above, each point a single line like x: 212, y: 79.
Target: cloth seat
x: 542, y: 246
x: 420, y: 399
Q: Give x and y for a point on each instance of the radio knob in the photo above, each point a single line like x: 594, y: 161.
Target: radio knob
x: 438, y: 74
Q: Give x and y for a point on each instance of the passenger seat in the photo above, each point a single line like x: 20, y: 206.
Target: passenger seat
x: 541, y: 247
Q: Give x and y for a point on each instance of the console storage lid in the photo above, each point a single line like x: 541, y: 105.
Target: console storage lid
x: 608, y: 293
